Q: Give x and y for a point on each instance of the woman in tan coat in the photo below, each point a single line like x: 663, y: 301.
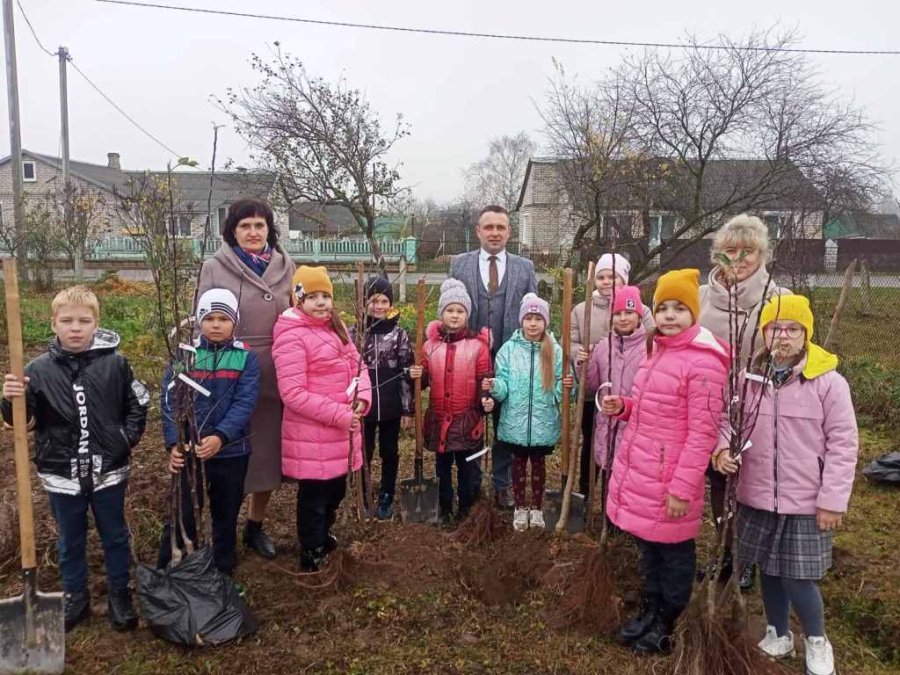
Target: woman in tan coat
x: 252, y: 265
x: 740, y: 251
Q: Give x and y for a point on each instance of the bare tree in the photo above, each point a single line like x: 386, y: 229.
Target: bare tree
x: 80, y: 211
x: 324, y: 141
x: 497, y: 178
x: 690, y: 120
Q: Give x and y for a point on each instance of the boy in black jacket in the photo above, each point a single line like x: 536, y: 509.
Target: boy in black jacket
x: 88, y: 412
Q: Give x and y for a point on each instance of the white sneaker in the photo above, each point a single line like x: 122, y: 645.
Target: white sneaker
x: 536, y: 519
x: 777, y: 647
x: 819, y: 656
x: 520, y: 520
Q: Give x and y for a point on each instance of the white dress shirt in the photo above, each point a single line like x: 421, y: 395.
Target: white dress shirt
x: 484, y: 266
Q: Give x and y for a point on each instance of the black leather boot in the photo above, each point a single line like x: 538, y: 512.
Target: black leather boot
x: 121, y: 611
x: 640, y: 624
x: 77, y: 608
x: 312, y: 560
x: 659, y: 637
x: 748, y: 578
x: 331, y: 542
x: 257, y: 540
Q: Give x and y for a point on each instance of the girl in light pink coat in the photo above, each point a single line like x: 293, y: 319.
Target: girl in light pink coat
x: 629, y: 341
x: 325, y: 394
x: 657, y: 485
x: 796, y: 476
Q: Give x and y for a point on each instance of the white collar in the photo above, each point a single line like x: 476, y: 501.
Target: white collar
x: 484, y: 255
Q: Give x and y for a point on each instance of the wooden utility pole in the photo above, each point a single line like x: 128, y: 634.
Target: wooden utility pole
x: 15, y: 133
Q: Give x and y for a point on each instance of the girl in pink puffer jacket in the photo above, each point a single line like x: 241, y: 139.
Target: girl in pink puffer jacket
x: 317, y: 367
x: 657, y: 485
x: 796, y: 476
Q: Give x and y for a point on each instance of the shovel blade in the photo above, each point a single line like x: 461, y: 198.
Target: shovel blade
x: 45, y: 650
x: 419, y: 501
x: 553, y: 505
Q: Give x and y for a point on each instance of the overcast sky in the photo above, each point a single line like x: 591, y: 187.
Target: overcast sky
x: 457, y: 93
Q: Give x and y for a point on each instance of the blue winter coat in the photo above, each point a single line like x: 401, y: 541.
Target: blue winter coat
x: 230, y: 372
x: 530, y: 414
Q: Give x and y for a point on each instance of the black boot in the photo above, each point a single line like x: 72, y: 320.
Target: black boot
x: 748, y: 578
x: 77, y: 607
x: 640, y: 624
x: 445, y: 514
x: 659, y: 637
x: 312, y: 560
x: 710, y: 569
x: 121, y: 611
x: 385, y: 506
x: 257, y: 540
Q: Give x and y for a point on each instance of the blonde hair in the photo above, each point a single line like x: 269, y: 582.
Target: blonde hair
x: 742, y: 230
x: 80, y: 296
x: 548, y: 362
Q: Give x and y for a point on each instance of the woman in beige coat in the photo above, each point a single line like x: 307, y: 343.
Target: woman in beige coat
x: 740, y: 251
x: 252, y: 265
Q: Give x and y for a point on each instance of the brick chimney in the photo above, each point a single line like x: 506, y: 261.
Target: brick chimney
x: 113, y: 160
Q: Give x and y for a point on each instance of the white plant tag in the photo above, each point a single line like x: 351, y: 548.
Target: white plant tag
x: 193, y: 385
x: 478, y: 454
x: 186, y: 347
x: 354, y: 383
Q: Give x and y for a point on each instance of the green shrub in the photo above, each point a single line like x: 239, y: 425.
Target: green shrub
x: 875, y: 389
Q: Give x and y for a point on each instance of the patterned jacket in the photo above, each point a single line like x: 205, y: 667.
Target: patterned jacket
x: 388, y: 355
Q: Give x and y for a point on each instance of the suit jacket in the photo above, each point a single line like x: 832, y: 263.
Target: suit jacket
x: 520, y: 279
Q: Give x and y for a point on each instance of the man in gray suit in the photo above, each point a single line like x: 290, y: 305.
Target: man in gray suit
x: 496, y: 282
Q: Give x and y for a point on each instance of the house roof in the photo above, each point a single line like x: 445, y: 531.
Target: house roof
x: 725, y: 182
x: 863, y: 225
x: 192, y: 186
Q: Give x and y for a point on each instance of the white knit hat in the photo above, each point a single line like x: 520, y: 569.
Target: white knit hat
x: 218, y: 300
x: 532, y: 304
x: 622, y: 266
x: 453, y: 292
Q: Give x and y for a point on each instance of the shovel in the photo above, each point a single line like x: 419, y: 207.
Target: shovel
x: 419, y: 495
x: 33, y: 637
x: 569, y: 515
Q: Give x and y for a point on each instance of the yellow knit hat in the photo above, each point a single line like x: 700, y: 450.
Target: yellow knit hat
x: 680, y: 285
x: 796, y: 308
x: 308, y: 280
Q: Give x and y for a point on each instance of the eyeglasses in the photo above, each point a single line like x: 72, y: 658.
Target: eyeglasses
x: 791, y: 332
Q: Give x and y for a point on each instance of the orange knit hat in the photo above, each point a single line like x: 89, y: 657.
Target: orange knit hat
x: 680, y: 285
x: 308, y: 280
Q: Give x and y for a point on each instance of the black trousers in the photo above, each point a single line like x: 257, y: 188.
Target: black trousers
x: 388, y: 432
x: 225, y: 489
x: 668, y: 571
x: 587, y: 447
x: 467, y: 480
x: 317, y: 505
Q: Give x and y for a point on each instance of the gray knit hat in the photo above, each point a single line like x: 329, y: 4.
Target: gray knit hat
x: 453, y: 292
x: 532, y: 304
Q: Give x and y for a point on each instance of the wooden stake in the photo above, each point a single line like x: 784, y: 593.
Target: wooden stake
x: 579, y: 410
x: 566, y: 412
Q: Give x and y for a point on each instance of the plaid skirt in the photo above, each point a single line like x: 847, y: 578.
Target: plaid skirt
x: 789, y: 546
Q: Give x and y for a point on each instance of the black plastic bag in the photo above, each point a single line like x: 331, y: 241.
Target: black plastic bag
x: 192, y: 603
x: 885, y: 469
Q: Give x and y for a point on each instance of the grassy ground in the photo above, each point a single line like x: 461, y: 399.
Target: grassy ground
x: 412, y: 599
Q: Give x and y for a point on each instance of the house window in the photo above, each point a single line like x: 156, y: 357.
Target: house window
x: 773, y: 222
x: 29, y: 172
x: 181, y: 227
x: 223, y: 215
x: 524, y: 233
x: 662, y: 227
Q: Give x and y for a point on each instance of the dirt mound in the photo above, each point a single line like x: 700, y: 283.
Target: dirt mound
x: 513, y: 566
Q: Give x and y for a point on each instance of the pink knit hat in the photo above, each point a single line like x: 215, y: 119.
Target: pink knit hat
x: 628, y: 298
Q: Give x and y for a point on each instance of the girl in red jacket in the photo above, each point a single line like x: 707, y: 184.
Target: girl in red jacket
x: 454, y: 364
x: 325, y: 394
x: 657, y: 484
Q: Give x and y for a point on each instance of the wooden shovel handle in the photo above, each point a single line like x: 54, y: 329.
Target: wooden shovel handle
x: 20, y: 416
x: 417, y: 383
x: 579, y: 410
x: 566, y: 355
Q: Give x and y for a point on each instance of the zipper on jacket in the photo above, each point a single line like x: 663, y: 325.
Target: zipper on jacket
x: 775, y: 444
x: 530, y: 395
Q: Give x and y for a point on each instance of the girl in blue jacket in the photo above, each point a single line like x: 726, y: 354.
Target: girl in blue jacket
x: 529, y: 381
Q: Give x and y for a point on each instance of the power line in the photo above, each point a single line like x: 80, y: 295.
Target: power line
x: 493, y: 36
x: 122, y: 112
x: 94, y: 86
x: 31, y: 28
